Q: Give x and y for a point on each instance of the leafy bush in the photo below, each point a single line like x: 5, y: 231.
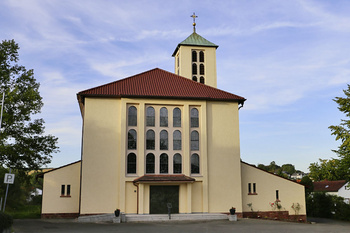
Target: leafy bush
x: 5, y: 221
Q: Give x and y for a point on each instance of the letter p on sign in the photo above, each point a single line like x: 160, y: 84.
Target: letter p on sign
x: 9, y: 178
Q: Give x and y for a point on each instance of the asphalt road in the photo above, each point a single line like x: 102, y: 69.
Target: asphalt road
x: 220, y: 226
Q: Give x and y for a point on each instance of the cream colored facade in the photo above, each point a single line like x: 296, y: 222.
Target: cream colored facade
x: 108, y: 180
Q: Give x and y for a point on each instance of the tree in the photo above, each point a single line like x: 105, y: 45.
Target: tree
x: 289, y: 168
x: 342, y: 133
x: 327, y: 169
x: 23, y: 144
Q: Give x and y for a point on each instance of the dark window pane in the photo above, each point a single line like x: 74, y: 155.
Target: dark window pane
x: 194, y: 118
x: 194, y: 78
x: 132, y: 139
x: 150, y: 160
x: 254, y: 187
x: 68, y: 190
x: 194, y: 56
x: 201, y: 80
x: 132, y: 116
x: 150, y: 140
x: 201, y: 56
x: 164, y: 117
x: 201, y: 69
x: 131, y: 167
x: 163, y: 163
x: 194, y: 69
x: 194, y: 140
x: 195, y: 164
x: 176, y: 117
x: 277, y: 195
x: 62, y: 189
x: 177, y: 140
x: 177, y: 163
x: 249, y: 188
x: 150, y: 116
x: 163, y: 140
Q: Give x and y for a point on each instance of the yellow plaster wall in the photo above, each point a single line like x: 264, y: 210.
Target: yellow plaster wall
x: 197, y: 197
x: 266, y: 186
x: 52, y: 201
x: 101, y: 166
x: 224, y: 172
x: 185, y: 66
x: 130, y: 198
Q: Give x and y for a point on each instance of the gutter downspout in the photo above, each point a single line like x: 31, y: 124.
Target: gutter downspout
x: 137, y: 188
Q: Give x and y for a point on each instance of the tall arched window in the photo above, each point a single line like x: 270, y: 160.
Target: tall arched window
x: 201, y: 80
x: 132, y: 116
x: 176, y: 117
x: 150, y: 116
x: 201, y: 56
x: 163, y: 163
x: 150, y: 161
x: 131, y: 166
x: 132, y: 139
x: 194, y: 56
x: 194, y: 78
x: 163, y: 142
x: 177, y: 140
x: 195, y: 164
x: 201, y: 69
x: 194, y: 68
x: 164, y: 117
x: 194, y: 140
x: 194, y: 118
x: 177, y: 163
x: 150, y: 140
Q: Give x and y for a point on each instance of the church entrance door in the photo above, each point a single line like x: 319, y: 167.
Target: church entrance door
x: 160, y: 196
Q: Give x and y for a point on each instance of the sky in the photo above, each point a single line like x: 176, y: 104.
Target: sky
x: 289, y: 59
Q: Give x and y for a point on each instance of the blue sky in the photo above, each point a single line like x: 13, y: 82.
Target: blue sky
x: 289, y: 59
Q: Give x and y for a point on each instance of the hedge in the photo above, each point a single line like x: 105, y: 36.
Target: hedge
x: 5, y: 221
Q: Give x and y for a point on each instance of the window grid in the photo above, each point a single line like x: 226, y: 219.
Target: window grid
x: 198, y: 65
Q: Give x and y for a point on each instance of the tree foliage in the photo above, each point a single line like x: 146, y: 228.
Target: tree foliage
x: 23, y: 143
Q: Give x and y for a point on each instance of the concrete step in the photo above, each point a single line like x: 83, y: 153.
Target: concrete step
x: 174, y: 217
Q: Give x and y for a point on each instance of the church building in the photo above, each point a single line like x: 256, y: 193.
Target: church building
x: 159, y: 137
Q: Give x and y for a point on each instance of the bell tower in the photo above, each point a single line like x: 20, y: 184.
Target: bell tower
x: 195, y: 58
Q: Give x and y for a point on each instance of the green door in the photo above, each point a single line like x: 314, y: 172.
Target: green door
x: 160, y: 196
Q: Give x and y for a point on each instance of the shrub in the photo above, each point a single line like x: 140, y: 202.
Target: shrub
x: 5, y: 221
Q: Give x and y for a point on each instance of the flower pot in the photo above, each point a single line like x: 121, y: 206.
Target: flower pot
x: 232, y: 211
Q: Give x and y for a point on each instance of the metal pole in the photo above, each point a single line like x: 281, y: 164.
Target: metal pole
x: 7, y: 189
x: 2, y: 108
x: 1, y: 204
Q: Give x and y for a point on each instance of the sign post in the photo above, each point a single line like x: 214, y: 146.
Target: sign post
x: 8, y: 179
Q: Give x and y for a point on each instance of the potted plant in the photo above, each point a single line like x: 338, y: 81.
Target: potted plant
x: 232, y: 211
x: 117, y: 212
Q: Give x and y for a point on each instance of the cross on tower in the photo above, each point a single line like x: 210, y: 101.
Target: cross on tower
x: 194, y: 16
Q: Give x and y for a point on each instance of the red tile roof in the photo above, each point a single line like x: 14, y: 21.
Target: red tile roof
x: 158, y: 83
x: 328, y: 186
x: 163, y: 178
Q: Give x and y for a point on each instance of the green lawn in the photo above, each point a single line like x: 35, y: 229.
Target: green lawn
x: 26, y: 211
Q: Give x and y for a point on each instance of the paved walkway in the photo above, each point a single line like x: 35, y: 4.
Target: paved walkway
x: 219, y: 226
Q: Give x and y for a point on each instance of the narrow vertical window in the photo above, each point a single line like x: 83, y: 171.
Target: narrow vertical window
x: 254, y: 187
x: 194, y: 140
x: 150, y: 116
x: 132, y: 116
x: 195, y: 164
x: 68, y: 190
x: 177, y: 163
x: 201, y: 69
x: 164, y: 117
x: 63, y: 187
x: 194, y: 78
x: 249, y: 188
x: 150, y: 140
x: 194, y: 56
x: 277, y: 195
x: 132, y: 139
x: 163, y: 142
x: 177, y: 145
x: 194, y: 68
x: 194, y: 118
x: 201, y: 56
x: 178, y: 61
x: 131, y: 163
x: 150, y: 161
x: 176, y: 117
x: 201, y: 80
x: 163, y: 163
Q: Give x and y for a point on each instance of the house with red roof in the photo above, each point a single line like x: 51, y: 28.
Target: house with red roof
x: 159, y: 139
x: 338, y: 188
